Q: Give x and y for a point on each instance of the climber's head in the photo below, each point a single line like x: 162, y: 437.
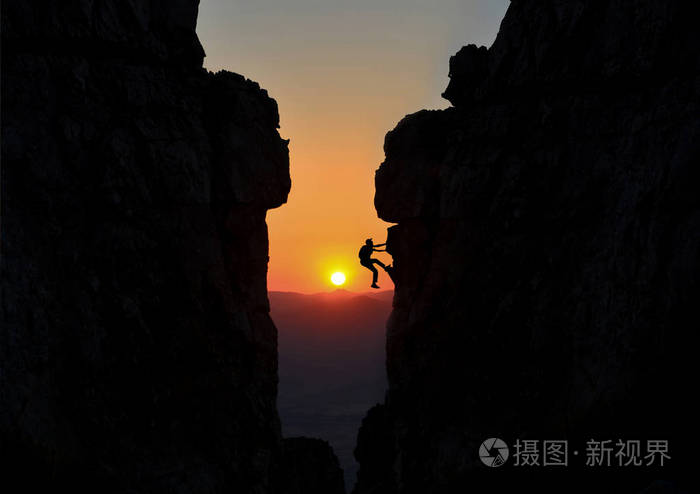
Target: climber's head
x: 369, y: 242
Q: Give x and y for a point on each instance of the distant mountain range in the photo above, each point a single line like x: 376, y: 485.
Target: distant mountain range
x: 331, y: 364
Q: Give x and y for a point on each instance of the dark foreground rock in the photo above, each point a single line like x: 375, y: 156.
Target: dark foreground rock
x: 547, y: 250
x: 136, y: 350
x: 312, y: 466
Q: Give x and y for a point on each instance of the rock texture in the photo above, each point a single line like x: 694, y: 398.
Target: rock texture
x: 547, y: 251
x: 136, y: 350
x: 313, y: 467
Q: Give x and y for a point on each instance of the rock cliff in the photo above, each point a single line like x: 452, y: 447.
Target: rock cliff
x: 546, y: 248
x: 136, y: 350
x: 313, y: 467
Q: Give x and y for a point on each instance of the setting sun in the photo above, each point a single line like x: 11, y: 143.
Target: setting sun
x: 338, y: 278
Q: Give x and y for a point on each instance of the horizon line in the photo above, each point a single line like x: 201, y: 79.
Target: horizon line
x: 332, y: 291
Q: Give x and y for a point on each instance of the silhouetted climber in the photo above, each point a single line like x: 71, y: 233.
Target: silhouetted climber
x: 367, y: 261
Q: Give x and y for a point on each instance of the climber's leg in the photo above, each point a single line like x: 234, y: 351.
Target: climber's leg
x: 375, y: 274
x: 377, y: 261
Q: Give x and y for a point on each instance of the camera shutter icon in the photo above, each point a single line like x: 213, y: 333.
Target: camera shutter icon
x: 493, y: 452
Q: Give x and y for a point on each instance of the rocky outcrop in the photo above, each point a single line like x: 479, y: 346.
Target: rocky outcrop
x: 546, y: 247
x: 313, y: 467
x: 136, y: 351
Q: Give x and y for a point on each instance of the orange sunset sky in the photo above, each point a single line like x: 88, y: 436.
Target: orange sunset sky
x: 343, y: 74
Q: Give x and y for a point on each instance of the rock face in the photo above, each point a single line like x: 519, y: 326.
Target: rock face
x: 547, y: 247
x: 136, y: 351
x: 313, y: 467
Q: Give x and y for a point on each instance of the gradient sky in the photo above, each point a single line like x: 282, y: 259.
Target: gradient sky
x: 343, y: 74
